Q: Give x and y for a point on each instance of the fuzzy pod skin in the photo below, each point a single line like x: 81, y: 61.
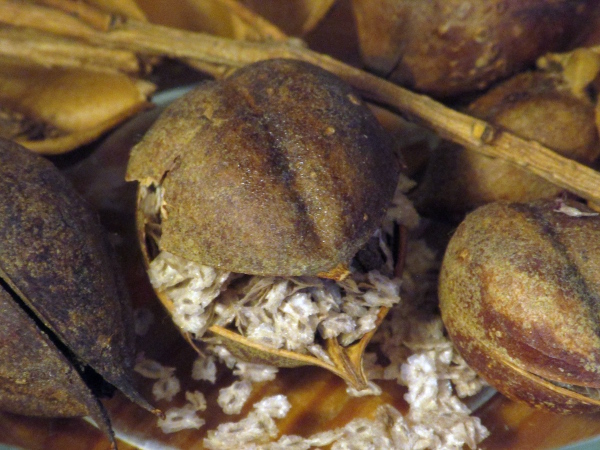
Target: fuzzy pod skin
x: 447, y: 48
x: 520, y: 297
x: 278, y: 169
x: 57, y: 265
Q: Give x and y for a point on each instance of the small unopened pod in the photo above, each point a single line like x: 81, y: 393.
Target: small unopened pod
x: 520, y: 297
x: 65, y: 322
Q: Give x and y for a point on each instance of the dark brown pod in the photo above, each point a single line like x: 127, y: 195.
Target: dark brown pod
x: 520, y: 297
x: 279, y: 169
x: 446, y: 48
x: 55, y: 259
x: 37, y: 379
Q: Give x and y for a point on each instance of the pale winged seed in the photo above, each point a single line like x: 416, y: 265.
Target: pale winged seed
x: 177, y: 419
x: 204, y: 368
x: 166, y: 388
x: 336, y: 324
x: 276, y: 406
x: 255, y: 372
x: 300, y: 306
x: 224, y: 355
x: 196, y: 399
x: 233, y: 398
x: 287, y: 442
x: 276, y: 295
x: 325, y: 437
x: 256, y: 428
x: 402, y: 209
x: 365, y: 323
x: 148, y: 368
x: 264, y: 333
x: 362, y: 433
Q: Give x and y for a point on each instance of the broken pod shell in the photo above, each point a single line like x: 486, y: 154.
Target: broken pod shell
x: 279, y: 170
x: 520, y: 294
x: 66, y: 316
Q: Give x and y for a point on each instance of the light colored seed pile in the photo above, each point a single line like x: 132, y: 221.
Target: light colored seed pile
x: 290, y: 313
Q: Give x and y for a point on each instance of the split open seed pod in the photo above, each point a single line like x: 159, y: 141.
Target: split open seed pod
x: 255, y: 193
x: 66, y: 321
x: 519, y: 295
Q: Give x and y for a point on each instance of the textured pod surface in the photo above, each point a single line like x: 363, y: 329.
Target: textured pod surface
x: 37, y: 379
x: 447, y: 48
x: 520, y: 297
x: 279, y: 169
x: 57, y: 264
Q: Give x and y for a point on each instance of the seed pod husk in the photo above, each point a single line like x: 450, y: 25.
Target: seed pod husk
x: 279, y: 170
x: 56, y: 261
x: 455, y: 47
x: 519, y: 295
x: 37, y: 379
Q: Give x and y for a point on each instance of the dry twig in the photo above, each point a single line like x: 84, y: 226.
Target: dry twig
x: 221, y: 54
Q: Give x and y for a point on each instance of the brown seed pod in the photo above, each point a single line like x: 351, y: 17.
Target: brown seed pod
x: 37, y: 379
x: 453, y: 47
x: 57, y: 267
x: 277, y: 171
x: 519, y: 295
x: 535, y: 105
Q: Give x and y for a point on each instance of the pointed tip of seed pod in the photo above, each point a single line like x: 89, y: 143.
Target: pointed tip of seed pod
x: 136, y: 398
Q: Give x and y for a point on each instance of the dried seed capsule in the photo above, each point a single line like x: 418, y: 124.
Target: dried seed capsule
x: 453, y: 47
x: 37, y: 379
x: 278, y: 170
x: 56, y: 263
x: 519, y: 295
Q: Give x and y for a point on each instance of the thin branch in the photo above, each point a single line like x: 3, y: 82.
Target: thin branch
x: 47, y: 50
x: 475, y: 134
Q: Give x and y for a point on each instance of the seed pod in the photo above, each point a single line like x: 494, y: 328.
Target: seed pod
x: 277, y: 171
x: 447, y: 48
x: 57, y: 266
x: 519, y: 295
x: 534, y: 105
x: 37, y: 379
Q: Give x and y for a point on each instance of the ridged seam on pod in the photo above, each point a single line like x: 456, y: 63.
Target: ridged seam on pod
x: 520, y: 297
